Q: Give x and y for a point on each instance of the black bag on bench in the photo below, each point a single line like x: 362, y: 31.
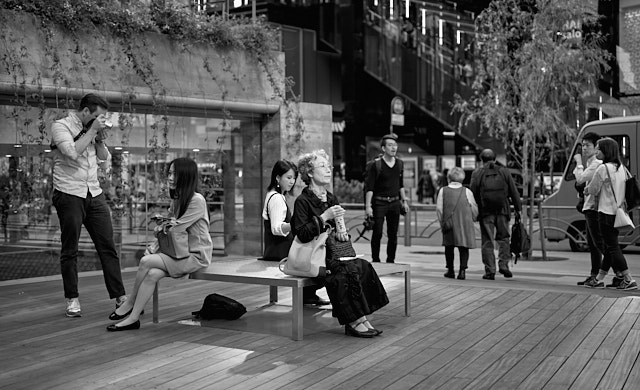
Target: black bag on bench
x: 217, y: 307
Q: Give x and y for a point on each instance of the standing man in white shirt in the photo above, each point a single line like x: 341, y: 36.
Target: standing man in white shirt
x: 78, y: 143
x: 590, y: 208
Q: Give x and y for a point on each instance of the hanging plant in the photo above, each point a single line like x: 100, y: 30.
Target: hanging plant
x: 108, y: 23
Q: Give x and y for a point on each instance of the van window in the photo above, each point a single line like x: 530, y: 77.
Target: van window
x: 625, y: 148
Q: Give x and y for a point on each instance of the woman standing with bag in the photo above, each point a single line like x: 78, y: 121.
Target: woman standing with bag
x: 608, y: 184
x: 353, y: 286
x: 457, y: 210
x: 188, y: 212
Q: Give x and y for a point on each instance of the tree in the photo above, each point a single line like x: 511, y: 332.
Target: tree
x: 535, y: 59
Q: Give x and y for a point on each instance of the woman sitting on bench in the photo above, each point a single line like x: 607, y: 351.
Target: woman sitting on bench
x: 189, y: 212
x: 352, y: 284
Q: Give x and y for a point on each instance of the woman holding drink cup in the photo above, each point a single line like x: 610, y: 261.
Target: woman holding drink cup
x: 352, y: 284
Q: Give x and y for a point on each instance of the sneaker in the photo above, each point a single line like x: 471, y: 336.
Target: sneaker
x: 585, y: 281
x: 615, y: 282
x: 120, y: 301
x: 594, y: 283
x: 631, y: 285
x: 506, y: 273
x: 73, y: 307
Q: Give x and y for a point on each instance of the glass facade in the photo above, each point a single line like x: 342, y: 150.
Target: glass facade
x: 228, y: 153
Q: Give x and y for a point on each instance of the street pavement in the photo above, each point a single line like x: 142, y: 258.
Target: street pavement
x: 560, y: 272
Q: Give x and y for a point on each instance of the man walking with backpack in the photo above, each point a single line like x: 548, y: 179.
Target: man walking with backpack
x: 385, y: 197
x: 493, y: 187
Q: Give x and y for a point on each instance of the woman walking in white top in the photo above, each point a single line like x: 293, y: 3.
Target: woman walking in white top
x: 610, y: 176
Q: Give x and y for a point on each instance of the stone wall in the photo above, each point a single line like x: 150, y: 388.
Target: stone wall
x: 98, y: 61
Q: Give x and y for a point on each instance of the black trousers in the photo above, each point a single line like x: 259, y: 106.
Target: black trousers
x: 94, y: 214
x: 613, y: 256
x: 391, y: 211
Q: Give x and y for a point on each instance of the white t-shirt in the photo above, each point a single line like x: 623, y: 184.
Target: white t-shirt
x: 275, y: 210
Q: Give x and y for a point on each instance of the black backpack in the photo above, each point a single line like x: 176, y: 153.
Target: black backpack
x: 218, y: 307
x: 493, y: 189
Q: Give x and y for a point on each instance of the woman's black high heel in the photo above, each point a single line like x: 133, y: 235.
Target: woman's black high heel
x: 133, y: 326
x: 350, y: 331
x: 117, y: 317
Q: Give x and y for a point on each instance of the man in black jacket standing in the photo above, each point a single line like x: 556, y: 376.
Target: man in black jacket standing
x: 385, y: 197
x: 493, y: 187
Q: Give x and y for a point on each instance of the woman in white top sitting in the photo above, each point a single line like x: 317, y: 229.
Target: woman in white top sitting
x: 276, y: 213
x: 611, y: 175
x: 277, y: 222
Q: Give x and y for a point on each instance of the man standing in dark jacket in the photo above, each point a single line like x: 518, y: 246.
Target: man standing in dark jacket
x: 385, y: 197
x: 493, y: 187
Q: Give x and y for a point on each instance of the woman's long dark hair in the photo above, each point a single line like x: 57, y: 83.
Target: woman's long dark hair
x: 610, y: 151
x: 186, y: 179
x: 280, y: 168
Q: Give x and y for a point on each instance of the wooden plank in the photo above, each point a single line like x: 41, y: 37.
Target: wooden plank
x: 473, y: 327
x: 610, y: 346
x: 633, y: 377
x: 591, y: 375
x: 616, y: 375
x: 582, y: 328
x: 546, y: 337
x: 539, y: 376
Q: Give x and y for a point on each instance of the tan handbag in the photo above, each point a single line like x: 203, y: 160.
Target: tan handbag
x: 307, y: 259
x: 174, y: 244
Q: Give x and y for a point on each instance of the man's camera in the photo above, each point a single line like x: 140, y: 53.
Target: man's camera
x: 368, y: 223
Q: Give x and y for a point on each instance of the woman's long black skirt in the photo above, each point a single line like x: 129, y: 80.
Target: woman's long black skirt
x: 354, y: 289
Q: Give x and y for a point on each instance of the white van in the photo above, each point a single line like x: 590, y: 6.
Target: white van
x: 561, y: 219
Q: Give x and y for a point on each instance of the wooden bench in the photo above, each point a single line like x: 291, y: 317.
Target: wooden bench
x: 252, y: 271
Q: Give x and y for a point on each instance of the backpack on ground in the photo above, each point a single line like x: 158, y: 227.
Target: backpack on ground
x: 219, y: 307
x: 520, y: 241
x: 376, y: 164
x: 493, y: 189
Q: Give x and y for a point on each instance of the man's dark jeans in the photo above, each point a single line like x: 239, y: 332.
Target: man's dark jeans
x: 498, y: 224
x: 594, y: 240
x: 94, y: 213
x: 391, y: 211
x: 613, y: 256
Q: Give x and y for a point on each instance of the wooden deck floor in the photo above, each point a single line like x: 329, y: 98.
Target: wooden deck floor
x: 460, y: 336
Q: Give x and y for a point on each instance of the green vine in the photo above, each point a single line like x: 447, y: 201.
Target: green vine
x: 129, y: 25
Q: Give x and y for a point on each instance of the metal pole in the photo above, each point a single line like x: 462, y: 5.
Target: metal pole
x: 407, y: 229
x: 253, y: 11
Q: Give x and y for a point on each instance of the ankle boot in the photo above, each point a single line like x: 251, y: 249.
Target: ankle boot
x: 462, y: 275
x: 450, y: 274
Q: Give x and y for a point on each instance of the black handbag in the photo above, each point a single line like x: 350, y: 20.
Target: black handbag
x: 218, y: 306
x: 337, y: 249
x: 632, y: 191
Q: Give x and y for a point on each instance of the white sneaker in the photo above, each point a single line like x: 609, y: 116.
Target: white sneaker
x: 73, y: 308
